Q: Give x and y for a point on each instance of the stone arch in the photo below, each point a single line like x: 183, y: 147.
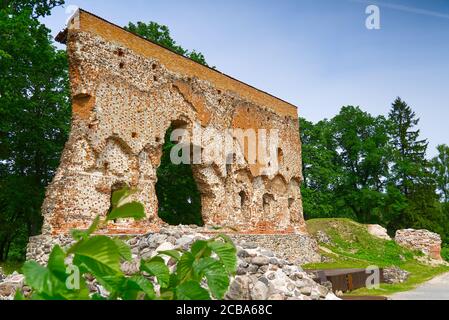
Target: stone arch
x: 123, y: 102
x: 116, y: 158
x: 268, y: 201
x: 278, y: 185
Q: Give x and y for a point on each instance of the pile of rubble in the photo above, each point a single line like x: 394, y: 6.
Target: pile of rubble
x: 261, y: 274
x: 393, y: 275
x: 10, y: 284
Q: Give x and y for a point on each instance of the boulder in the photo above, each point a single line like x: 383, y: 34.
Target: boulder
x: 378, y: 231
x: 10, y: 285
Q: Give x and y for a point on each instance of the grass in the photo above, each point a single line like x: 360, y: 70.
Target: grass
x: 353, y: 247
x: 9, y: 267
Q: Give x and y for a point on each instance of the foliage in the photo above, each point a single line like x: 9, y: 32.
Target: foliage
x: 411, y: 173
x: 34, y: 123
x: 38, y: 8
x: 361, y: 140
x: 9, y: 267
x: 176, y: 190
x: 440, y: 168
x: 408, y: 151
x: 373, y: 170
x: 353, y: 247
x: 345, y: 162
x: 320, y: 169
x: 445, y: 253
x: 160, y: 34
x: 210, y: 262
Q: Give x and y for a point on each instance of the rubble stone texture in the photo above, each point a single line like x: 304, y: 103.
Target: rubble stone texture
x: 394, y: 274
x: 425, y: 241
x: 126, y: 92
x: 262, y: 273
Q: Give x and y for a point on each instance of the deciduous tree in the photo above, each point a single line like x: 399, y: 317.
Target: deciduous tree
x: 34, y: 120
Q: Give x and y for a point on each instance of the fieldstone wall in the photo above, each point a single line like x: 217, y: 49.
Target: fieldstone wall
x: 425, y: 241
x: 262, y: 274
x: 295, y: 249
x: 126, y: 93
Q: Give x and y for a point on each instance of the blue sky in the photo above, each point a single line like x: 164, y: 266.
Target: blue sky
x: 316, y: 54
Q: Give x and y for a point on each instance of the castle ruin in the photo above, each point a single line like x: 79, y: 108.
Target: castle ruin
x: 126, y: 92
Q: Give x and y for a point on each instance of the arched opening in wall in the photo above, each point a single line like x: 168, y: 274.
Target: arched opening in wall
x: 267, y: 200
x: 243, y: 199
x: 177, y: 192
x: 280, y: 158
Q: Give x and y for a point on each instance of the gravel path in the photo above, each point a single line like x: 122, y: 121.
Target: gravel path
x: 435, y: 289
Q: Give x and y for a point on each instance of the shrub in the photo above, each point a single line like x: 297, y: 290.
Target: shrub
x: 210, y: 262
x: 445, y: 253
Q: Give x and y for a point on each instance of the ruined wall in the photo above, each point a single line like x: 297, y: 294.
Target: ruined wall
x: 126, y: 92
x: 425, y: 241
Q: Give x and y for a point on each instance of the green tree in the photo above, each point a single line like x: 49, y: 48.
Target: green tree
x: 38, y: 8
x: 409, y: 152
x: 362, y: 145
x: 160, y: 34
x: 440, y: 165
x: 34, y: 120
x: 345, y: 164
x: 320, y: 170
x: 176, y: 190
x: 411, y: 173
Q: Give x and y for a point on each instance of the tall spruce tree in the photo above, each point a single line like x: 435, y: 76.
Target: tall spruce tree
x: 409, y: 152
x: 412, y: 174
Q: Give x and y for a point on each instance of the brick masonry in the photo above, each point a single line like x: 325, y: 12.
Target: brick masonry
x: 126, y: 92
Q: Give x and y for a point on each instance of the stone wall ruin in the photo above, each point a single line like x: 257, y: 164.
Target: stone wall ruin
x: 126, y: 92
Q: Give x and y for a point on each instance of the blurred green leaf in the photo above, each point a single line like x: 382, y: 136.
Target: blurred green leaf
x: 191, y: 290
x: 129, y: 210
x: 123, y: 249
x: 156, y: 267
x: 227, y: 253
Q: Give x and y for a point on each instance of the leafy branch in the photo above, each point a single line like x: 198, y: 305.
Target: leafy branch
x: 201, y: 273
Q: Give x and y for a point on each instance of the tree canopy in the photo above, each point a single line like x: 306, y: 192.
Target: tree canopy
x: 35, y: 117
x: 38, y: 8
x: 160, y: 34
x: 374, y: 170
